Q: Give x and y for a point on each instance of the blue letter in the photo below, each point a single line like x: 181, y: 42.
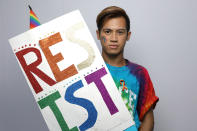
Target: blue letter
x: 88, y: 105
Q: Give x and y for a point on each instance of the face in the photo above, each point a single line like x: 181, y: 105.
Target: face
x: 113, y: 36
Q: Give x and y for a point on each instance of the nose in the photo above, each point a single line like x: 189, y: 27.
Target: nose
x: 114, y: 37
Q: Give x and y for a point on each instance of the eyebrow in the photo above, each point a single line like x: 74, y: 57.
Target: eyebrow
x: 115, y: 29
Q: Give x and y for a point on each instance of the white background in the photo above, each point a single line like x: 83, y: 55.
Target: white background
x: 163, y: 40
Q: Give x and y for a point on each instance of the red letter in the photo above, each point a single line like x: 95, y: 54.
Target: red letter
x: 33, y: 68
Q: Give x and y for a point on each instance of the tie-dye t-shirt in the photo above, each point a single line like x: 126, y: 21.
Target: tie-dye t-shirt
x: 136, y: 89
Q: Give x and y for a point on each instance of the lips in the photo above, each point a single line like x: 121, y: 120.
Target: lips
x: 113, y: 46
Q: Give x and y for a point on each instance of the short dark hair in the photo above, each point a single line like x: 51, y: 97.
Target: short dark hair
x: 112, y: 12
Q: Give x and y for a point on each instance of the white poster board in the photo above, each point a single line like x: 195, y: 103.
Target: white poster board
x: 68, y: 77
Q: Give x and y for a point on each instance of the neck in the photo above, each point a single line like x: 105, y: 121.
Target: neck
x: 114, y: 60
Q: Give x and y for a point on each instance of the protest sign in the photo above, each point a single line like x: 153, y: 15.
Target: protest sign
x: 68, y: 77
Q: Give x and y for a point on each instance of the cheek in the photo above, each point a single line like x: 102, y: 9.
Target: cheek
x: 123, y: 39
x: 104, y: 39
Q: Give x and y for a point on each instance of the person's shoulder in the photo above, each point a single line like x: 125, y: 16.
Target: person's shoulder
x: 135, y: 68
x: 139, y: 71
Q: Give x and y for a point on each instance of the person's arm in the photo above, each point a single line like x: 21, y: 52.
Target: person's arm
x: 147, y: 101
x: 148, y: 121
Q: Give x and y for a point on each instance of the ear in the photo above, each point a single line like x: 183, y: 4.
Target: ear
x: 128, y: 35
x: 98, y: 34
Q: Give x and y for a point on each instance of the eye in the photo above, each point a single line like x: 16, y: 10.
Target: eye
x: 121, y: 32
x: 107, y: 32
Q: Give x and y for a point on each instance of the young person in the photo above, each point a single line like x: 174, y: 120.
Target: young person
x: 132, y: 80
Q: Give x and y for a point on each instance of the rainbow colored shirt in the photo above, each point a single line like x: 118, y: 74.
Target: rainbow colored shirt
x: 136, y: 89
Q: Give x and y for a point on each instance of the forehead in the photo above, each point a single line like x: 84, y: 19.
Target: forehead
x: 115, y: 23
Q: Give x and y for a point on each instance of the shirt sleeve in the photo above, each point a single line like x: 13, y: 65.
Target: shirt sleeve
x: 147, y: 97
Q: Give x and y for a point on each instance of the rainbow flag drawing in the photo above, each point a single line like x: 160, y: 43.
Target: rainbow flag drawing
x: 34, y: 22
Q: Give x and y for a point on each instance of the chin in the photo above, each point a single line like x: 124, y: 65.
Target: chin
x: 113, y: 53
